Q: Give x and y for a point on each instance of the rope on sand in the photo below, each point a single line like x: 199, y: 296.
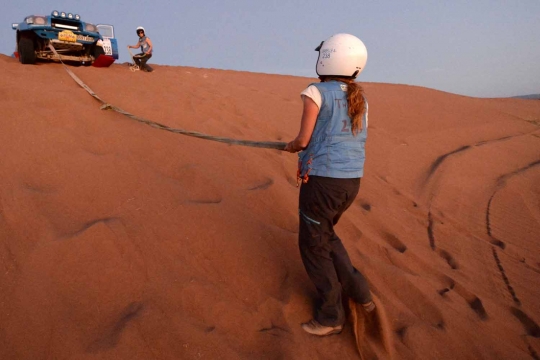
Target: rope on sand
x: 133, y: 67
x: 107, y: 106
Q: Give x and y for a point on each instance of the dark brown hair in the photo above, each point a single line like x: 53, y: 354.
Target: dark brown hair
x: 355, y: 101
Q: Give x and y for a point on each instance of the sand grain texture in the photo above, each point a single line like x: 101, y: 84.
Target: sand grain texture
x: 121, y: 241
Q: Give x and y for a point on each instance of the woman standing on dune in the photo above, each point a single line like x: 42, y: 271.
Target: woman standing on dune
x: 331, y: 139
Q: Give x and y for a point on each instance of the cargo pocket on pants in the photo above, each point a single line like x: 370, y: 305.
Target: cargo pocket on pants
x: 310, y: 230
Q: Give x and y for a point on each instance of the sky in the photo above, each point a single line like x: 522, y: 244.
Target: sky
x: 479, y: 48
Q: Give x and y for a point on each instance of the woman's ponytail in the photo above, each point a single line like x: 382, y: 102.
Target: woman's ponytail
x: 355, y: 101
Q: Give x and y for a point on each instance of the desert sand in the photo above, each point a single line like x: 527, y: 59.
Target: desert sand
x: 122, y: 241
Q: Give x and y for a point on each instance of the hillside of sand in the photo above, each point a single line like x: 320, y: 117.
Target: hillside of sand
x: 122, y: 241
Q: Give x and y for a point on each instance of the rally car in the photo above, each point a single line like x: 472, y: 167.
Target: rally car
x: 74, y: 40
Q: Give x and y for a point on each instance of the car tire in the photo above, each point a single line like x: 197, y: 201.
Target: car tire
x: 96, y: 51
x: 27, y: 52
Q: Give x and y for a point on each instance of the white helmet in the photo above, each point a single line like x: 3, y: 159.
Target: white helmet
x: 341, y: 55
x: 140, y: 28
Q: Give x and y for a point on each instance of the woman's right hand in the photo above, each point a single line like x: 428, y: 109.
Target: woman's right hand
x: 290, y: 147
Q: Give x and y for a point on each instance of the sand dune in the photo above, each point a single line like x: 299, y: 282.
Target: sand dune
x: 121, y: 241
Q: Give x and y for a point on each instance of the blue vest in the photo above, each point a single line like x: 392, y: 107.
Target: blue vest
x: 333, y: 150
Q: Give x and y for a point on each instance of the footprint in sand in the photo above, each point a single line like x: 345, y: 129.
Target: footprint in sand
x: 262, y: 185
x: 472, y: 300
x: 364, y: 205
x: 448, y: 258
x: 394, y: 242
x: 531, y: 327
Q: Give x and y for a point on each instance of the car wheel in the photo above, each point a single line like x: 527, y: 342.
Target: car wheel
x: 27, y: 53
x: 96, y: 51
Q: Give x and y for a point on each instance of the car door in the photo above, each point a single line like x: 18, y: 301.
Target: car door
x: 110, y: 44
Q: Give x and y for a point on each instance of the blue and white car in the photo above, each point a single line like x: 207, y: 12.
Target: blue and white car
x: 74, y: 40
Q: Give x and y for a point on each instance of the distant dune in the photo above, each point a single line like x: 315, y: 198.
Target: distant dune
x: 529, y: 97
x: 122, y: 241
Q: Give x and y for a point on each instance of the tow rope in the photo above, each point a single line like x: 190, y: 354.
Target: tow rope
x: 133, y: 66
x: 106, y: 106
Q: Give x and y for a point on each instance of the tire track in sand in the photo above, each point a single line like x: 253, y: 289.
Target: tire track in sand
x: 531, y: 328
x: 501, y: 184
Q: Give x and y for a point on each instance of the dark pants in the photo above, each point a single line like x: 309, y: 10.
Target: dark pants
x: 322, y: 202
x: 141, y: 59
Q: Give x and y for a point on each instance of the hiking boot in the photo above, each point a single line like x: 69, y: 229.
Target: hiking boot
x: 313, y: 327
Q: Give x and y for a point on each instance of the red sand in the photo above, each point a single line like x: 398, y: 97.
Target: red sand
x: 121, y: 241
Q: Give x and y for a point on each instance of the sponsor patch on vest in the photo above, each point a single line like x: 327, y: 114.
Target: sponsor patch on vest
x: 343, y: 87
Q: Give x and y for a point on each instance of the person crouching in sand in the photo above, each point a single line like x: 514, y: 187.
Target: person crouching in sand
x: 146, y: 50
x: 331, y: 139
